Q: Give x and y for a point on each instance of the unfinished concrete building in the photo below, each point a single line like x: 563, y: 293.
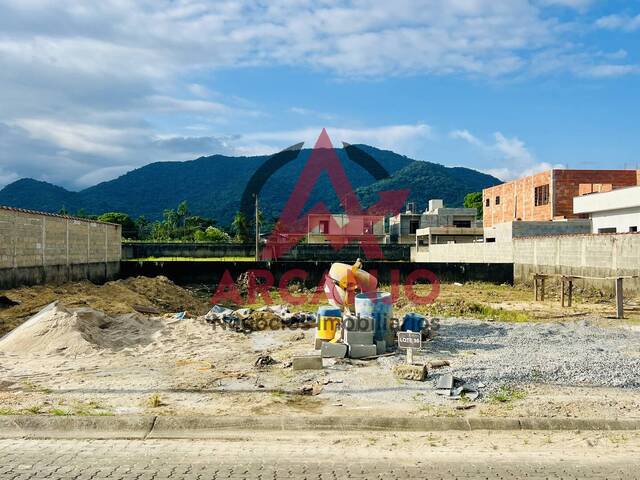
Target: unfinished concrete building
x: 549, y: 195
x: 437, y: 224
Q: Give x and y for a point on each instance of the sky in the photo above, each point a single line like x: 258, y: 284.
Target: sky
x: 91, y: 90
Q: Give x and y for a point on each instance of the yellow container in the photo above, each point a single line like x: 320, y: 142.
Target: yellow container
x: 329, y: 319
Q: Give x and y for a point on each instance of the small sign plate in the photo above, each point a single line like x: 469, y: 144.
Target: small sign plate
x: 409, y: 340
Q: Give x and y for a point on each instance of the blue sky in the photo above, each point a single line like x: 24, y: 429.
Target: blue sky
x: 89, y: 91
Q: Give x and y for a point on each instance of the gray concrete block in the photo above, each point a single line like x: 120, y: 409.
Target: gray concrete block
x: 381, y: 347
x: 358, y: 338
x: 318, y: 342
x: 359, y: 324
x: 308, y: 362
x: 410, y: 372
x: 334, y: 350
x: 361, y: 351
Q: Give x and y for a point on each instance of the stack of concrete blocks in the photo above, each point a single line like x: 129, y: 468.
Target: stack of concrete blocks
x: 358, y: 335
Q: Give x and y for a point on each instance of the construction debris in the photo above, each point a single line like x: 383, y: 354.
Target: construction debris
x: 455, y: 388
x: 265, y: 361
x: 272, y: 317
x: 433, y: 364
x: 333, y: 350
x: 410, y: 372
x: 307, y: 362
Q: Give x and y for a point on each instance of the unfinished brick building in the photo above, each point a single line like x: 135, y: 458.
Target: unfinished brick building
x: 549, y: 195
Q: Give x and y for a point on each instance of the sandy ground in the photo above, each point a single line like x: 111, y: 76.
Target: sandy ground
x: 187, y: 367
x: 124, y: 362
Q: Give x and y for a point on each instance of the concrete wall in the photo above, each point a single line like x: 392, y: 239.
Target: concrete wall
x: 195, y: 250
x: 582, y: 255
x: 41, y: 248
x: 487, y: 253
x: 301, y: 251
x: 579, y: 255
x: 505, y: 232
x: 210, y: 273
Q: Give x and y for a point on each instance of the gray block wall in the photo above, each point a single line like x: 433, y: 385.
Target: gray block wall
x: 37, y: 247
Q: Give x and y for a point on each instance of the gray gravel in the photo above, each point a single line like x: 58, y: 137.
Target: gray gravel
x: 571, y: 354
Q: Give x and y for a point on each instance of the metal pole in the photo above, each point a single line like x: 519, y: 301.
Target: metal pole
x: 257, y: 232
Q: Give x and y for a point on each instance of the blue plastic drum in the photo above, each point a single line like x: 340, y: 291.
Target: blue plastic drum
x: 376, y: 305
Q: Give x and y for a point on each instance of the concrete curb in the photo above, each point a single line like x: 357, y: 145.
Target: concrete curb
x: 148, y: 427
x: 99, y: 427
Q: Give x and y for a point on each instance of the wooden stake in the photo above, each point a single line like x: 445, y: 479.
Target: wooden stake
x: 619, y: 298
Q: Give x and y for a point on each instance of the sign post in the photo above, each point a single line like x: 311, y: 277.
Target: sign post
x: 410, y: 341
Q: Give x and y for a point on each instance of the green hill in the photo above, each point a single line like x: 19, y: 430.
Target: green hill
x: 213, y: 186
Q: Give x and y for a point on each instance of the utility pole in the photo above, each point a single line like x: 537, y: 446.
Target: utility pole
x: 257, y: 230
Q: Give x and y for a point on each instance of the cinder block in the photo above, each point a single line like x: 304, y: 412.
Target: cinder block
x: 318, y: 342
x: 333, y: 350
x: 381, y: 347
x: 358, y: 338
x: 308, y: 362
x: 359, y: 324
x: 361, y: 351
x: 410, y: 372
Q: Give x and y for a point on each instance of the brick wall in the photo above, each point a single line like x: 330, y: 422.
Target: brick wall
x: 517, y: 201
x: 517, y: 198
x: 570, y: 183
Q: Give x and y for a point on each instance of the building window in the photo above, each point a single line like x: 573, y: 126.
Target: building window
x: 324, y: 226
x: 498, y: 200
x: 462, y: 223
x: 413, y: 226
x: 487, y: 202
x: 633, y: 229
x: 542, y: 195
x: 607, y: 230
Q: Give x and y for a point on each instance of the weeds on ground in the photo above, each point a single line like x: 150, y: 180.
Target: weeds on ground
x: 34, y: 410
x: 507, y: 394
x: 58, y: 412
x: 155, y: 401
x: 9, y: 411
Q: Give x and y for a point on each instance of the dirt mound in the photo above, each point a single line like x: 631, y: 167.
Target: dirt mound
x: 113, y: 298
x: 58, y: 330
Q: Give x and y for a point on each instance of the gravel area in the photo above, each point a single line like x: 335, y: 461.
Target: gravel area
x: 567, y: 354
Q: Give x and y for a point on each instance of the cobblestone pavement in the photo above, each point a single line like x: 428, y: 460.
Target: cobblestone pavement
x: 327, y: 456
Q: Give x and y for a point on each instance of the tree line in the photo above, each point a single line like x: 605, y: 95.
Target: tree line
x: 177, y: 224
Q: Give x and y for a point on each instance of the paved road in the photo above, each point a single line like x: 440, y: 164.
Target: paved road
x: 364, y: 456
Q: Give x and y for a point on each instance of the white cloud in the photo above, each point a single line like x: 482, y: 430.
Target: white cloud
x: 91, y: 87
x: 619, y: 22
x: 400, y: 138
x: 510, y: 155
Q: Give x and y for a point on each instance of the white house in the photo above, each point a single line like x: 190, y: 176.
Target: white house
x: 617, y: 211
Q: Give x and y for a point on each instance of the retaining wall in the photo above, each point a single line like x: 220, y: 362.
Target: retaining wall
x: 37, y: 247
x: 210, y: 273
x: 303, y: 251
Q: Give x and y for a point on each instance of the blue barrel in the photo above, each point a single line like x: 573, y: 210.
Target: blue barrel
x: 413, y: 322
x: 376, y: 305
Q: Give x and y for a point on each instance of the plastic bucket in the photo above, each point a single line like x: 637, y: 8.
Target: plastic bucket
x: 329, y: 319
x: 376, y: 305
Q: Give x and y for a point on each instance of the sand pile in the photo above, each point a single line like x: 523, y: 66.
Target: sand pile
x: 114, y: 298
x: 58, y: 330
